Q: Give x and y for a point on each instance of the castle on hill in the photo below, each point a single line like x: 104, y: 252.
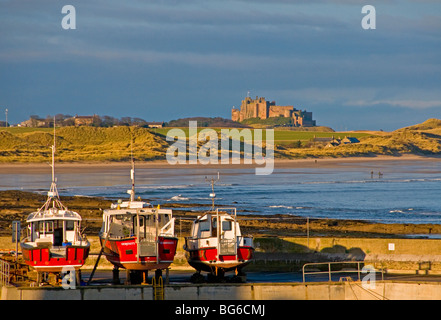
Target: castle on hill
x: 260, y: 108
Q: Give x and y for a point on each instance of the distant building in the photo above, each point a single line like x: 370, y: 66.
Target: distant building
x: 349, y: 140
x: 84, y: 120
x: 154, y: 124
x: 260, y: 108
x: 34, y: 122
x: 338, y: 142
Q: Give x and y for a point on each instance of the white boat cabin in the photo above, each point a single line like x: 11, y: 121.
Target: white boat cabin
x: 207, y: 232
x: 55, y: 227
x: 206, y: 226
x: 123, y: 219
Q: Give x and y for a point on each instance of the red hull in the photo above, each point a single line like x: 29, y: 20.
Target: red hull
x: 206, y: 259
x: 42, y: 259
x: 123, y: 254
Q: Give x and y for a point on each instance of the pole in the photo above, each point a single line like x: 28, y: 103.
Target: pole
x: 307, y: 231
x: 137, y: 235
x: 53, y: 157
x: 157, y: 233
x: 132, y: 173
x: 329, y: 269
x: 218, y: 235
x: 96, y: 264
x: 16, y: 242
x: 16, y: 232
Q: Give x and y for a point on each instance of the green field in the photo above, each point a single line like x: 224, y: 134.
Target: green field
x: 279, y: 135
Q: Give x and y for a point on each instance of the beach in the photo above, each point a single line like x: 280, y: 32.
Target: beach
x: 17, y: 204
x: 9, y: 168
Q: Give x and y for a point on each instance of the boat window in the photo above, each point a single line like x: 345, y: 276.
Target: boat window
x: 204, y: 225
x: 142, y: 224
x: 214, y: 228
x: 70, y: 225
x: 123, y: 217
x: 46, y: 226
x: 226, y: 226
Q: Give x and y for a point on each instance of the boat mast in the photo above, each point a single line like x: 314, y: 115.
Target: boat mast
x: 132, y: 173
x: 212, y: 194
x: 53, y: 158
x: 53, y: 192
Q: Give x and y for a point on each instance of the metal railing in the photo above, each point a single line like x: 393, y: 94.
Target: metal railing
x: 329, y: 272
x: 4, y: 272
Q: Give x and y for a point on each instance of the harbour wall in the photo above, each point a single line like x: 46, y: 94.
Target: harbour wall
x: 391, y: 290
x: 418, y: 256
x: 290, y: 253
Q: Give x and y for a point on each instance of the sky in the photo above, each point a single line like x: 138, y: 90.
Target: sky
x: 168, y: 59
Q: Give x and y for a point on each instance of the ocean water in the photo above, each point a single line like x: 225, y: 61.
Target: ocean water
x: 406, y: 192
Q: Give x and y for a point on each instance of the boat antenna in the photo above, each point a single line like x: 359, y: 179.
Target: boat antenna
x: 132, y: 172
x: 53, y: 157
x: 212, y: 194
x: 52, y: 195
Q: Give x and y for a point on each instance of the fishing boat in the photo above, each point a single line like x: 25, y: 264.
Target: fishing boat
x: 54, y: 241
x: 216, y: 244
x: 137, y: 236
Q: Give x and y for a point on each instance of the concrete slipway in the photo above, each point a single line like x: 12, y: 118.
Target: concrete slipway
x: 354, y: 290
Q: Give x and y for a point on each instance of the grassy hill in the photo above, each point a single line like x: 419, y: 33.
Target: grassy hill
x: 77, y: 144
x: 430, y: 124
x: 420, y: 139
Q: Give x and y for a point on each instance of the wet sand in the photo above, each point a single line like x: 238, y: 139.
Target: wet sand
x: 96, y: 167
x: 16, y: 205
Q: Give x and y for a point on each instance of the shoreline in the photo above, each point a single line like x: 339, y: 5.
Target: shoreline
x: 16, y: 205
x: 34, y: 167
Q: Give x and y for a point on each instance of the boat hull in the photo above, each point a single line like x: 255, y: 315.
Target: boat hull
x: 45, y: 260
x: 205, y: 259
x: 123, y: 253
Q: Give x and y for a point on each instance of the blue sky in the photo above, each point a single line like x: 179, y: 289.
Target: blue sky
x: 163, y: 60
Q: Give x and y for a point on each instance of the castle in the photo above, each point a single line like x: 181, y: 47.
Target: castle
x: 260, y: 108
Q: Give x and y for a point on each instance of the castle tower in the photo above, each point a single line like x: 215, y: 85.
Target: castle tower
x: 260, y: 108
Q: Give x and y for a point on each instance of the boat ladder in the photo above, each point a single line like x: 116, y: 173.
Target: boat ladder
x: 158, y: 288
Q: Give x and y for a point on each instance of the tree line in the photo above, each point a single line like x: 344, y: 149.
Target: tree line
x: 64, y: 120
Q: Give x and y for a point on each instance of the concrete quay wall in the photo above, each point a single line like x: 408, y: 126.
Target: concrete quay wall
x: 392, y: 290
x: 390, y: 254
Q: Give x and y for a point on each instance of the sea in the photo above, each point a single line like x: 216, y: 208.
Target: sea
x: 377, y: 191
